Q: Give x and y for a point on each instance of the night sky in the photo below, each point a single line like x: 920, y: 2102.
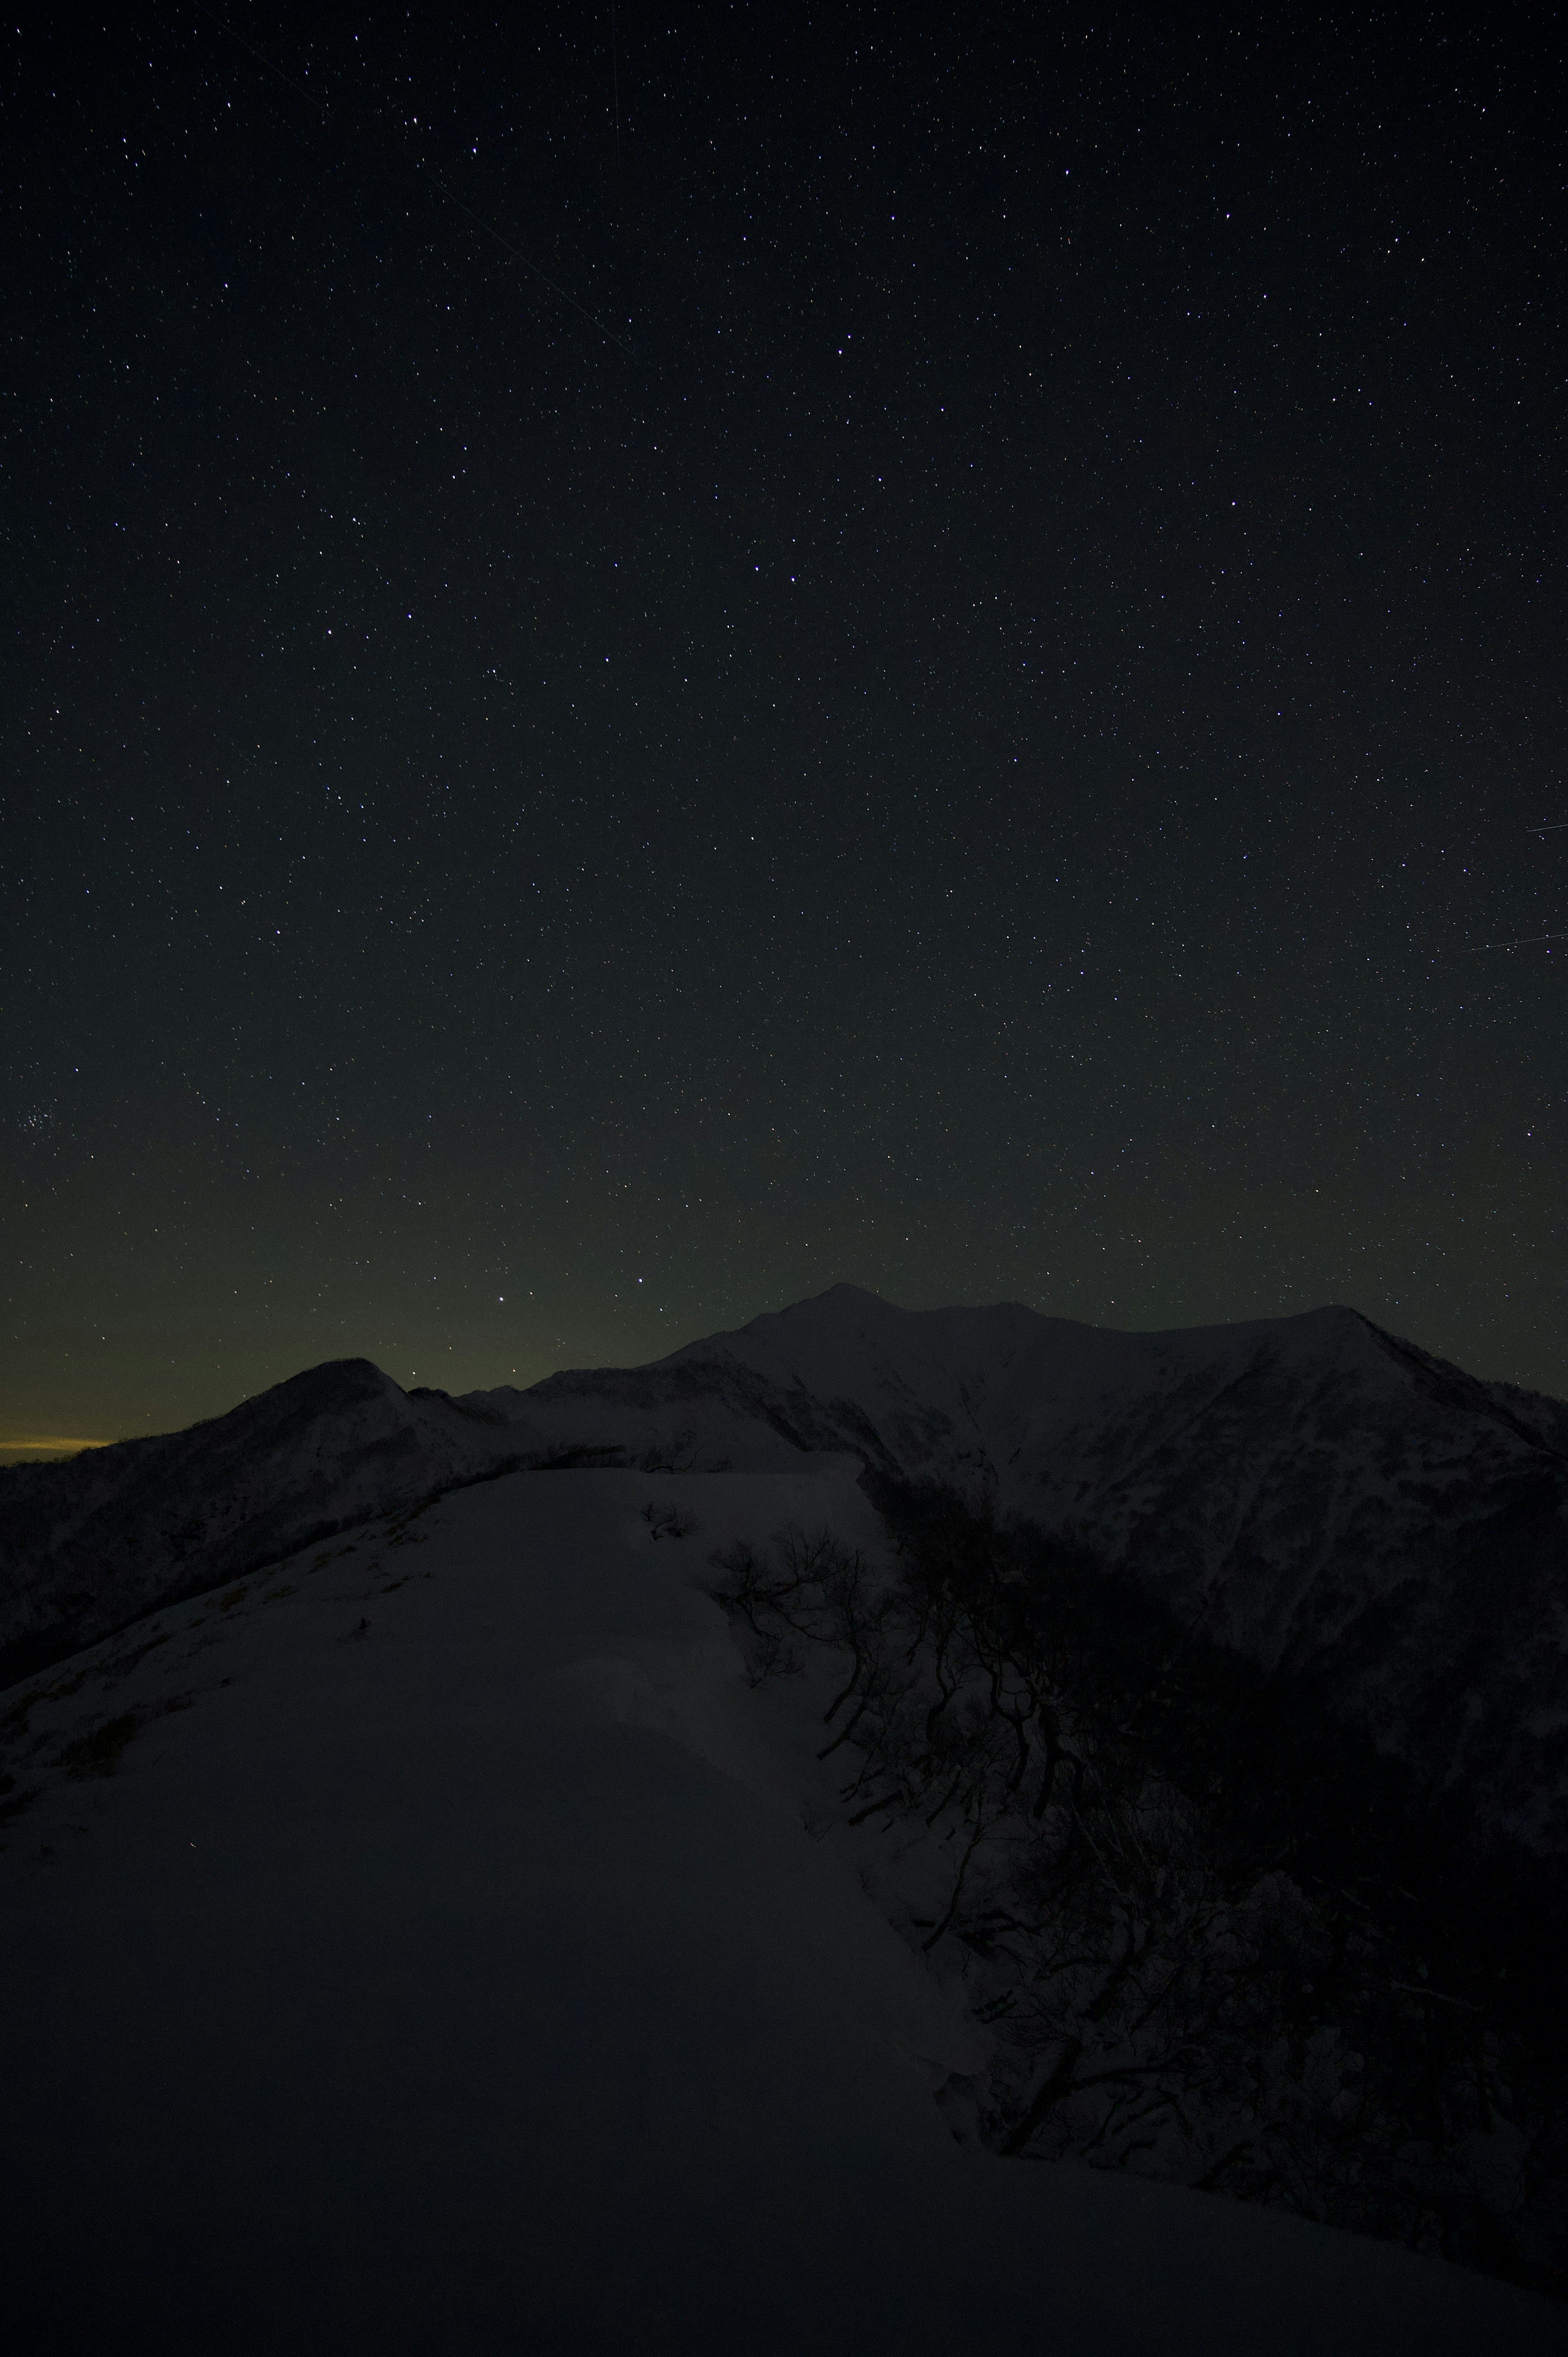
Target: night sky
x: 948, y: 705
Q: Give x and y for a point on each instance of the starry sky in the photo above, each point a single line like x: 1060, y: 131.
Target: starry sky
x: 658, y: 657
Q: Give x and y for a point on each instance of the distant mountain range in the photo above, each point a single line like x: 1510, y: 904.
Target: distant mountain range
x: 1329, y: 1500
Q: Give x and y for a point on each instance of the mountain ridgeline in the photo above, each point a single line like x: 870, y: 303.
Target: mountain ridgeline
x: 1197, y: 1715
x: 1336, y: 1507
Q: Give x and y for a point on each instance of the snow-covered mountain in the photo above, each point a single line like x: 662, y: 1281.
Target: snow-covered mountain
x: 431, y: 1945
x: 451, y: 1948
x: 1326, y: 1498
x: 87, y: 1545
x: 1323, y: 1497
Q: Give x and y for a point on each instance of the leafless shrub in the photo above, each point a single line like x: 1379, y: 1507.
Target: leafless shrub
x: 667, y: 1522
x: 1168, y: 1994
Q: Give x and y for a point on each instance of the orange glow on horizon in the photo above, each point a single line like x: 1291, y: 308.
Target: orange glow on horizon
x: 48, y: 1447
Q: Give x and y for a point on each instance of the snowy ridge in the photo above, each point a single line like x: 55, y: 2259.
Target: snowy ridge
x: 422, y: 1945
x: 1321, y: 1496
x: 1316, y: 1493
x: 87, y: 1545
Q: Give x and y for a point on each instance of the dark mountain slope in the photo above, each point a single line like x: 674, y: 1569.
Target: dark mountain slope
x: 90, y: 1544
x: 1321, y: 1496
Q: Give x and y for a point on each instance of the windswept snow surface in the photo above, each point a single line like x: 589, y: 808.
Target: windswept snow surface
x: 420, y: 1948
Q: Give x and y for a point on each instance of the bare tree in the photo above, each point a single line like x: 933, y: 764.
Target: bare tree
x: 1165, y: 1994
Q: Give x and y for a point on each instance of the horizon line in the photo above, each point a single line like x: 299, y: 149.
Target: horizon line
x: 51, y: 1445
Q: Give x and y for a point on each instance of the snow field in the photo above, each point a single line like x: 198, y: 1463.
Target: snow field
x: 470, y: 1981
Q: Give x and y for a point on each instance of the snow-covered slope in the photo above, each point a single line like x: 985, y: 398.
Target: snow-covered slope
x: 1324, y: 1498
x: 86, y: 1545
x: 1311, y: 1490
x: 419, y: 1948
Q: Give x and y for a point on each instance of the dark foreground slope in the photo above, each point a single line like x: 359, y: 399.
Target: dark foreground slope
x: 435, y: 1945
